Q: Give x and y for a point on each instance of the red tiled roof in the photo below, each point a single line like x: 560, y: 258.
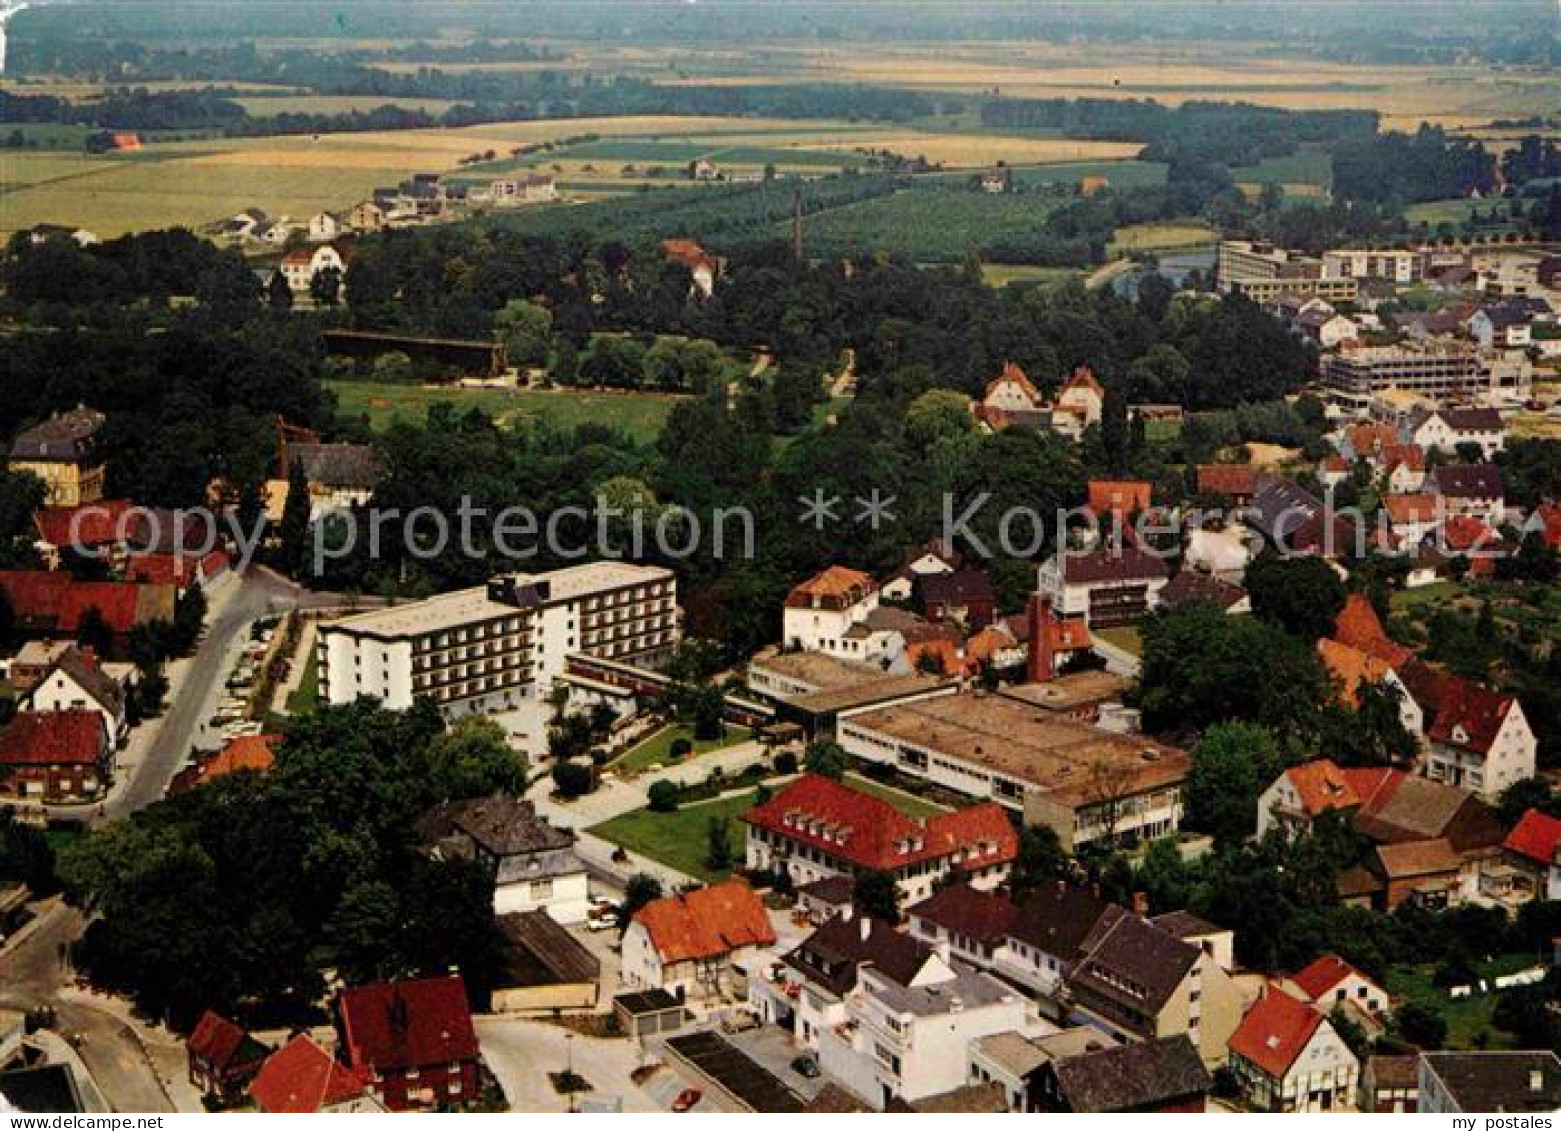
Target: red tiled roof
x: 1411, y: 508
x: 1275, y: 1031
x: 707, y: 923
x: 1083, y: 378
x: 1324, y: 974
x: 53, y: 599
x: 1352, y: 667
x: 870, y: 833
x: 1549, y: 517
x: 1463, y: 532
x: 688, y: 253
x: 1536, y: 837
x: 1227, y: 479
x: 1013, y: 374
x: 94, y: 524
x: 1369, y: 439
x: 246, y: 752
x: 391, y: 1026
x: 52, y: 738
x: 180, y: 570
x: 1359, y: 627
x: 1324, y: 785
x: 215, y: 1039
x: 1470, y: 709
x: 301, y: 1077
x: 1125, y: 496
x: 1411, y: 456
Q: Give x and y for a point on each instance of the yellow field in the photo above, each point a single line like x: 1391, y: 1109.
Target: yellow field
x: 1160, y: 237
x: 978, y: 151
x: 336, y: 104
x: 74, y: 91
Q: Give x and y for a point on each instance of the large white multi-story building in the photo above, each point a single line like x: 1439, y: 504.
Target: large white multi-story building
x: 1395, y: 266
x: 1450, y: 373
x: 495, y: 647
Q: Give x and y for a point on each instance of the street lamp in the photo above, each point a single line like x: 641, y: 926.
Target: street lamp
x: 569, y: 1069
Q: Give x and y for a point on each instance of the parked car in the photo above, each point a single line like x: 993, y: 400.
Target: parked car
x: 806, y: 1067
x: 601, y: 920
x: 687, y: 1099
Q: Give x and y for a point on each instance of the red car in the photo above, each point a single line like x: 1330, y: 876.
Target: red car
x: 687, y: 1099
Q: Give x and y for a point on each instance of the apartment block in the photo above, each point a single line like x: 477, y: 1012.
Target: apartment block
x: 495, y: 647
x: 1447, y: 373
x: 1264, y: 272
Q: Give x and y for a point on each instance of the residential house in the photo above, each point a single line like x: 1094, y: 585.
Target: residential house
x: 1141, y: 983
x: 253, y: 752
x: 222, y: 1058
x: 1235, y: 482
x: 301, y: 1078
x: 77, y: 681
x: 340, y: 476
x: 702, y: 266
x: 413, y: 1039
x: 1473, y: 489
x: 1333, y: 470
x: 1445, y: 430
x: 532, y: 188
x: 34, y: 660
x: 687, y: 943
x: 1331, y: 984
x: 54, y: 756
x: 1295, y: 521
x: 533, y: 864
x: 1403, y: 468
x: 816, y: 828
x: 1354, y: 669
x: 62, y: 452
x: 324, y: 227
x: 931, y: 558
x: 819, y: 611
x: 1161, y: 1075
x: 1194, y: 587
x: 300, y: 268
x: 545, y: 968
x: 1504, y: 325
x: 909, y: 1043
x: 1525, y: 1081
x: 1118, y: 499
x: 1390, y: 1084
x: 1034, y: 941
x: 366, y: 216
x: 806, y: 992
x: 1326, y: 327
x: 1288, y: 1057
x: 1080, y: 403
x: 1478, y: 738
x: 1413, y: 518
x: 1107, y: 587
x: 1534, y: 847
x: 1011, y: 400
x: 964, y: 597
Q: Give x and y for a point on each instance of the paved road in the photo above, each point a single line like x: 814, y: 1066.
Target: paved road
x: 258, y: 592
x: 32, y: 971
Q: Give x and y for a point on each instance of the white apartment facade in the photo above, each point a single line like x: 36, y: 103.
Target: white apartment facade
x: 495, y: 647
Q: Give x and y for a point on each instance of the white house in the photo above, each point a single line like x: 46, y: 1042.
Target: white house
x: 1480, y: 739
x: 1534, y: 845
x: 821, y: 610
x: 533, y: 864
x: 1445, y: 429
x: 1112, y: 586
x: 78, y: 681
x: 1288, y: 1057
x: 324, y: 227
x: 687, y: 944
x: 300, y: 267
x: 1331, y: 983
x: 909, y: 1042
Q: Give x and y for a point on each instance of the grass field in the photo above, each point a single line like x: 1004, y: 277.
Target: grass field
x: 1306, y: 167
x: 678, y: 839
x: 306, y: 696
x: 1161, y: 236
x: 906, y: 803
x: 640, y: 415
x: 929, y: 227
x: 656, y: 749
x: 1001, y: 274
x: 1125, y: 637
x: 1468, y: 1019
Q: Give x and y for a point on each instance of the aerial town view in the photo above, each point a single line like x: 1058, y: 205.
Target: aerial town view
x: 841, y: 556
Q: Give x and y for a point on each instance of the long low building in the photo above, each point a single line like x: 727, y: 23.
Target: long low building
x: 1086, y: 783
x: 491, y: 648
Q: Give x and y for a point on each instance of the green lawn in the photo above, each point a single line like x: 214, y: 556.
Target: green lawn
x: 1001, y: 274
x: 1307, y: 166
x: 678, y: 839
x: 1437, y: 593
x: 306, y: 696
x: 1124, y: 637
x: 640, y: 415
x: 656, y: 749
x: 1468, y: 1017
x: 909, y: 804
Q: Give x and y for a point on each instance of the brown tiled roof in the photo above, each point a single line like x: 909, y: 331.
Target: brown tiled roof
x: 1227, y: 479
x: 1193, y: 587
x: 1119, y: 564
x: 1499, y: 1081
x: 1134, y: 953
x: 834, y: 582
x: 53, y: 738
x: 1416, y: 858
x: 1469, y: 481
x: 832, y: 955
x: 1114, y: 496
x: 541, y: 952
x: 1132, y: 1077
x: 1351, y: 667
x: 972, y: 1099
x: 501, y: 824
x: 64, y: 437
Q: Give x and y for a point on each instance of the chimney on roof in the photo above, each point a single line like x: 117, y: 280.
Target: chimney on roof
x: 1042, y: 666
x: 1141, y: 904
x: 866, y: 927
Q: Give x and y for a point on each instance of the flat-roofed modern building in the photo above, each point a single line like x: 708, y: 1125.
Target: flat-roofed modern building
x: 1263, y: 272
x: 1445, y: 374
x: 1088, y: 784
x: 494, y: 647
